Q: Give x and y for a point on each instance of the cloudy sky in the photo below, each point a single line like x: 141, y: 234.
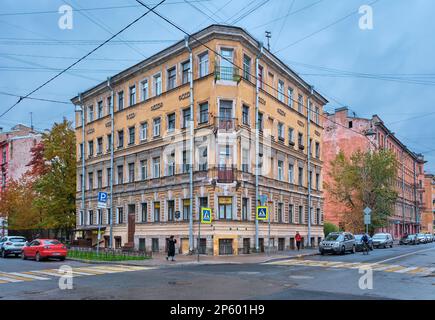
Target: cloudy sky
x: 388, y: 70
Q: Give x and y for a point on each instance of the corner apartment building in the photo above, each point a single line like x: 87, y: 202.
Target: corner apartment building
x: 152, y: 105
x: 428, y: 215
x: 349, y: 133
x: 15, y: 146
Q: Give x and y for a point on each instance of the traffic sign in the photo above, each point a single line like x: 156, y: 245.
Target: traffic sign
x: 263, y: 199
x: 206, y: 215
x: 262, y: 213
x: 367, y: 211
x: 367, y: 219
x: 102, y: 200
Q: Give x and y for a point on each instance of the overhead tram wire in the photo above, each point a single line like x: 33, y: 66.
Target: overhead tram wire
x: 31, y: 98
x: 214, y: 13
x: 239, y: 68
x: 82, y: 58
x: 243, y: 16
x: 285, y: 21
x: 200, y: 10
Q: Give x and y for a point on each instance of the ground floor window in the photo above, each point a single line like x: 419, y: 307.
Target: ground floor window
x: 246, y: 245
x: 117, y: 242
x: 225, y: 208
x: 142, y: 244
x: 225, y: 246
x: 281, y: 244
x: 155, y: 244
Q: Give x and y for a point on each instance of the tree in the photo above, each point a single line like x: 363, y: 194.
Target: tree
x: 365, y: 179
x: 329, y: 227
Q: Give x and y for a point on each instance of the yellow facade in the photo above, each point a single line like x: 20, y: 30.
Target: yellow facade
x: 225, y: 129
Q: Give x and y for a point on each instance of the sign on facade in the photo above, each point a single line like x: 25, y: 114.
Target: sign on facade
x: 262, y: 213
x: 102, y: 200
x: 206, y: 215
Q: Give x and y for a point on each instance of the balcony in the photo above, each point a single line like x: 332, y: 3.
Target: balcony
x: 226, y: 124
x: 225, y: 174
x: 226, y: 73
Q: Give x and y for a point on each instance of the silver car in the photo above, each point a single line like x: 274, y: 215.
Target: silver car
x: 11, y: 245
x: 421, y: 238
x: 338, y: 242
x: 382, y: 240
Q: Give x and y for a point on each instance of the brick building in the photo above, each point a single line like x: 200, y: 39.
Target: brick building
x: 151, y: 143
x: 350, y: 133
x: 428, y: 215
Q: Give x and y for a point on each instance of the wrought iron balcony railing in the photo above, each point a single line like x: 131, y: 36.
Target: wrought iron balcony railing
x: 226, y: 174
x: 226, y: 124
x: 226, y: 73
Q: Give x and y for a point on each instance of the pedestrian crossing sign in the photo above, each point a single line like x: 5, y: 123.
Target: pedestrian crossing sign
x: 205, y: 215
x: 262, y: 213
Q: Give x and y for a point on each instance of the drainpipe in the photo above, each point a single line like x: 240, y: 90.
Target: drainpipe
x: 415, y: 197
x: 309, y: 164
x: 403, y: 193
x: 112, y: 122
x: 191, y: 146
x: 83, y: 157
x: 257, y: 142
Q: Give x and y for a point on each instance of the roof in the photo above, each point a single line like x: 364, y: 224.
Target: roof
x: 179, y: 47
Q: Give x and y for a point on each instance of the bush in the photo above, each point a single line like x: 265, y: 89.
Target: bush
x: 329, y: 227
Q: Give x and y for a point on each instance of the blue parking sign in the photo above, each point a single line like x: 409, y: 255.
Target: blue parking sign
x: 102, y: 200
x: 262, y: 213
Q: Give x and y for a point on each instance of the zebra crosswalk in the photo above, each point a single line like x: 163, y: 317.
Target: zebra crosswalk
x: 49, y: 274
x: 413, y: 270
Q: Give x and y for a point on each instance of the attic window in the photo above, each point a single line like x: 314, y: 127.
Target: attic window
x: 350, y: 124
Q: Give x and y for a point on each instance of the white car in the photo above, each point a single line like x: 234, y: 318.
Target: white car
x: 11, y: 245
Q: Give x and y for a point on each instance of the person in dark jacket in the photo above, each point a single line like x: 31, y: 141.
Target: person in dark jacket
x: 171, y: 248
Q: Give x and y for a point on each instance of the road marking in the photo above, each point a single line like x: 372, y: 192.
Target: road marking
x: 395, y: 269
x: 404, y: 255
x: 6, y: 279
x: 49, y: 272
x: 30, y: 276
x: 382, y: 267
x: 418, y: 270
x: 9, y: 275
x: 92, y: 271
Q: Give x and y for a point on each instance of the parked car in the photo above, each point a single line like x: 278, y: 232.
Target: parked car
x: 11, y: 245
x: 429, y: 238
x: 411, y: 239
x: 41, y: 249
x: 382, y: 240
x: 421, y: 238
x: 359, y: 242
x: 338, y: 242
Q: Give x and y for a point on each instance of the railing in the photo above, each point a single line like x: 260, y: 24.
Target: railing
x: 225, y: 174
x: 226, y: 124
x: 107, y: 253
x: 226, y: 73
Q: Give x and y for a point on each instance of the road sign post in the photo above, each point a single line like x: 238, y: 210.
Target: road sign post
x: 206, y: 219
x: 102, y: 204
x: 367, y: 218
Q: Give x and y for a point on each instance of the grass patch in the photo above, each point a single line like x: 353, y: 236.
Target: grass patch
x: 104, y: 256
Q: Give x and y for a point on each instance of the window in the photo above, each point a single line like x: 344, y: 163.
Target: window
x: 109, y: 142
x: 245, y: 202
x: 317, y: 150
x: 144, y: 85
x: 318, y: 217
x: 120, y: 215
x: 131, y: 172
x: 143, y: 131
x: 281, y: 90
x: 280, y: 215
x: 317, y: 181
x: 316, y: 115
x: 290, y: 213
x: 185, y: 70
x: 310, y: 177
x: 186, y: 161
x: 290, y: 97
x: 91, y: 148
x: 203, y: 161
x: 225, y: 208
x: 132, y: 95
x: 246, y: 67
x: 186, y: 209
x: 91, y: 217
x: 226, y: 68
x: 156, y: 127
x: 100, y: 109
x: 291, y: 141
x: 120, y: 174
x: 91, y: 180
x: 158, y: 84
x: 291, y: 173
x: 300, y: 140
x: 90, y: 113
x: 143, y: 169
x: 81, y: 218
x: 300, y: 176
x: 120, y: 138
x: 245, y: 115
x: 156, y: 167
x: 186, y: 117
x: 203, y: 202
x: 281, y: 131
x: 109, y: 105
x: 109, y: 176
x: 99, y: 179
x: 81, y: 153
x: 171, y: 164
x: 245, y: 160
x: 99, y: 216
x: 300, y: 103
x: 172, y: 77
x: 203, y: 65
x: 120, y: 100
x: 260, y: 76
x: 203, y: 112
x: 131, y: 137
x: 144, y: 212
x: 171, y: 210
x: 171, y: 122
x: 260, y: 121
x: 301, y: 215
x: 280, y: 170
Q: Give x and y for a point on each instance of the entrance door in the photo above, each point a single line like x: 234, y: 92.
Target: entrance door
x: 281, y: 244
x: 261, y: 244
x: 131, y: 223
x: 185, y: 245
x: 246, y: 245
x: 225, y: 246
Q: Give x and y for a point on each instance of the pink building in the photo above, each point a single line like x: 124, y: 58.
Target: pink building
x: 350, y: 133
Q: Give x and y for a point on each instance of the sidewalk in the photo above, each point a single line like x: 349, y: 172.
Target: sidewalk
x: 159, y: 260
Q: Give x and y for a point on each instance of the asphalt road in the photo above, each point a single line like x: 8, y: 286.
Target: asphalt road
x: 406, y: 272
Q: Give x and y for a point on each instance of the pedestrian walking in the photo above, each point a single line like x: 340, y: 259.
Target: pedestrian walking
x: 171, y: 248
x: 298, y: 239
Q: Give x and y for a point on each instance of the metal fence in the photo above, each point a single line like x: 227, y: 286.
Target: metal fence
x: 121, y: 254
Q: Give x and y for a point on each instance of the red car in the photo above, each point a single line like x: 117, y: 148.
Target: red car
x: 41, y: 249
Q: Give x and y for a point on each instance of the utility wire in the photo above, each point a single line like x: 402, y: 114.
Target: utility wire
x: 81, y: 59
x: 31, y: 98
x: 200, y: 10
